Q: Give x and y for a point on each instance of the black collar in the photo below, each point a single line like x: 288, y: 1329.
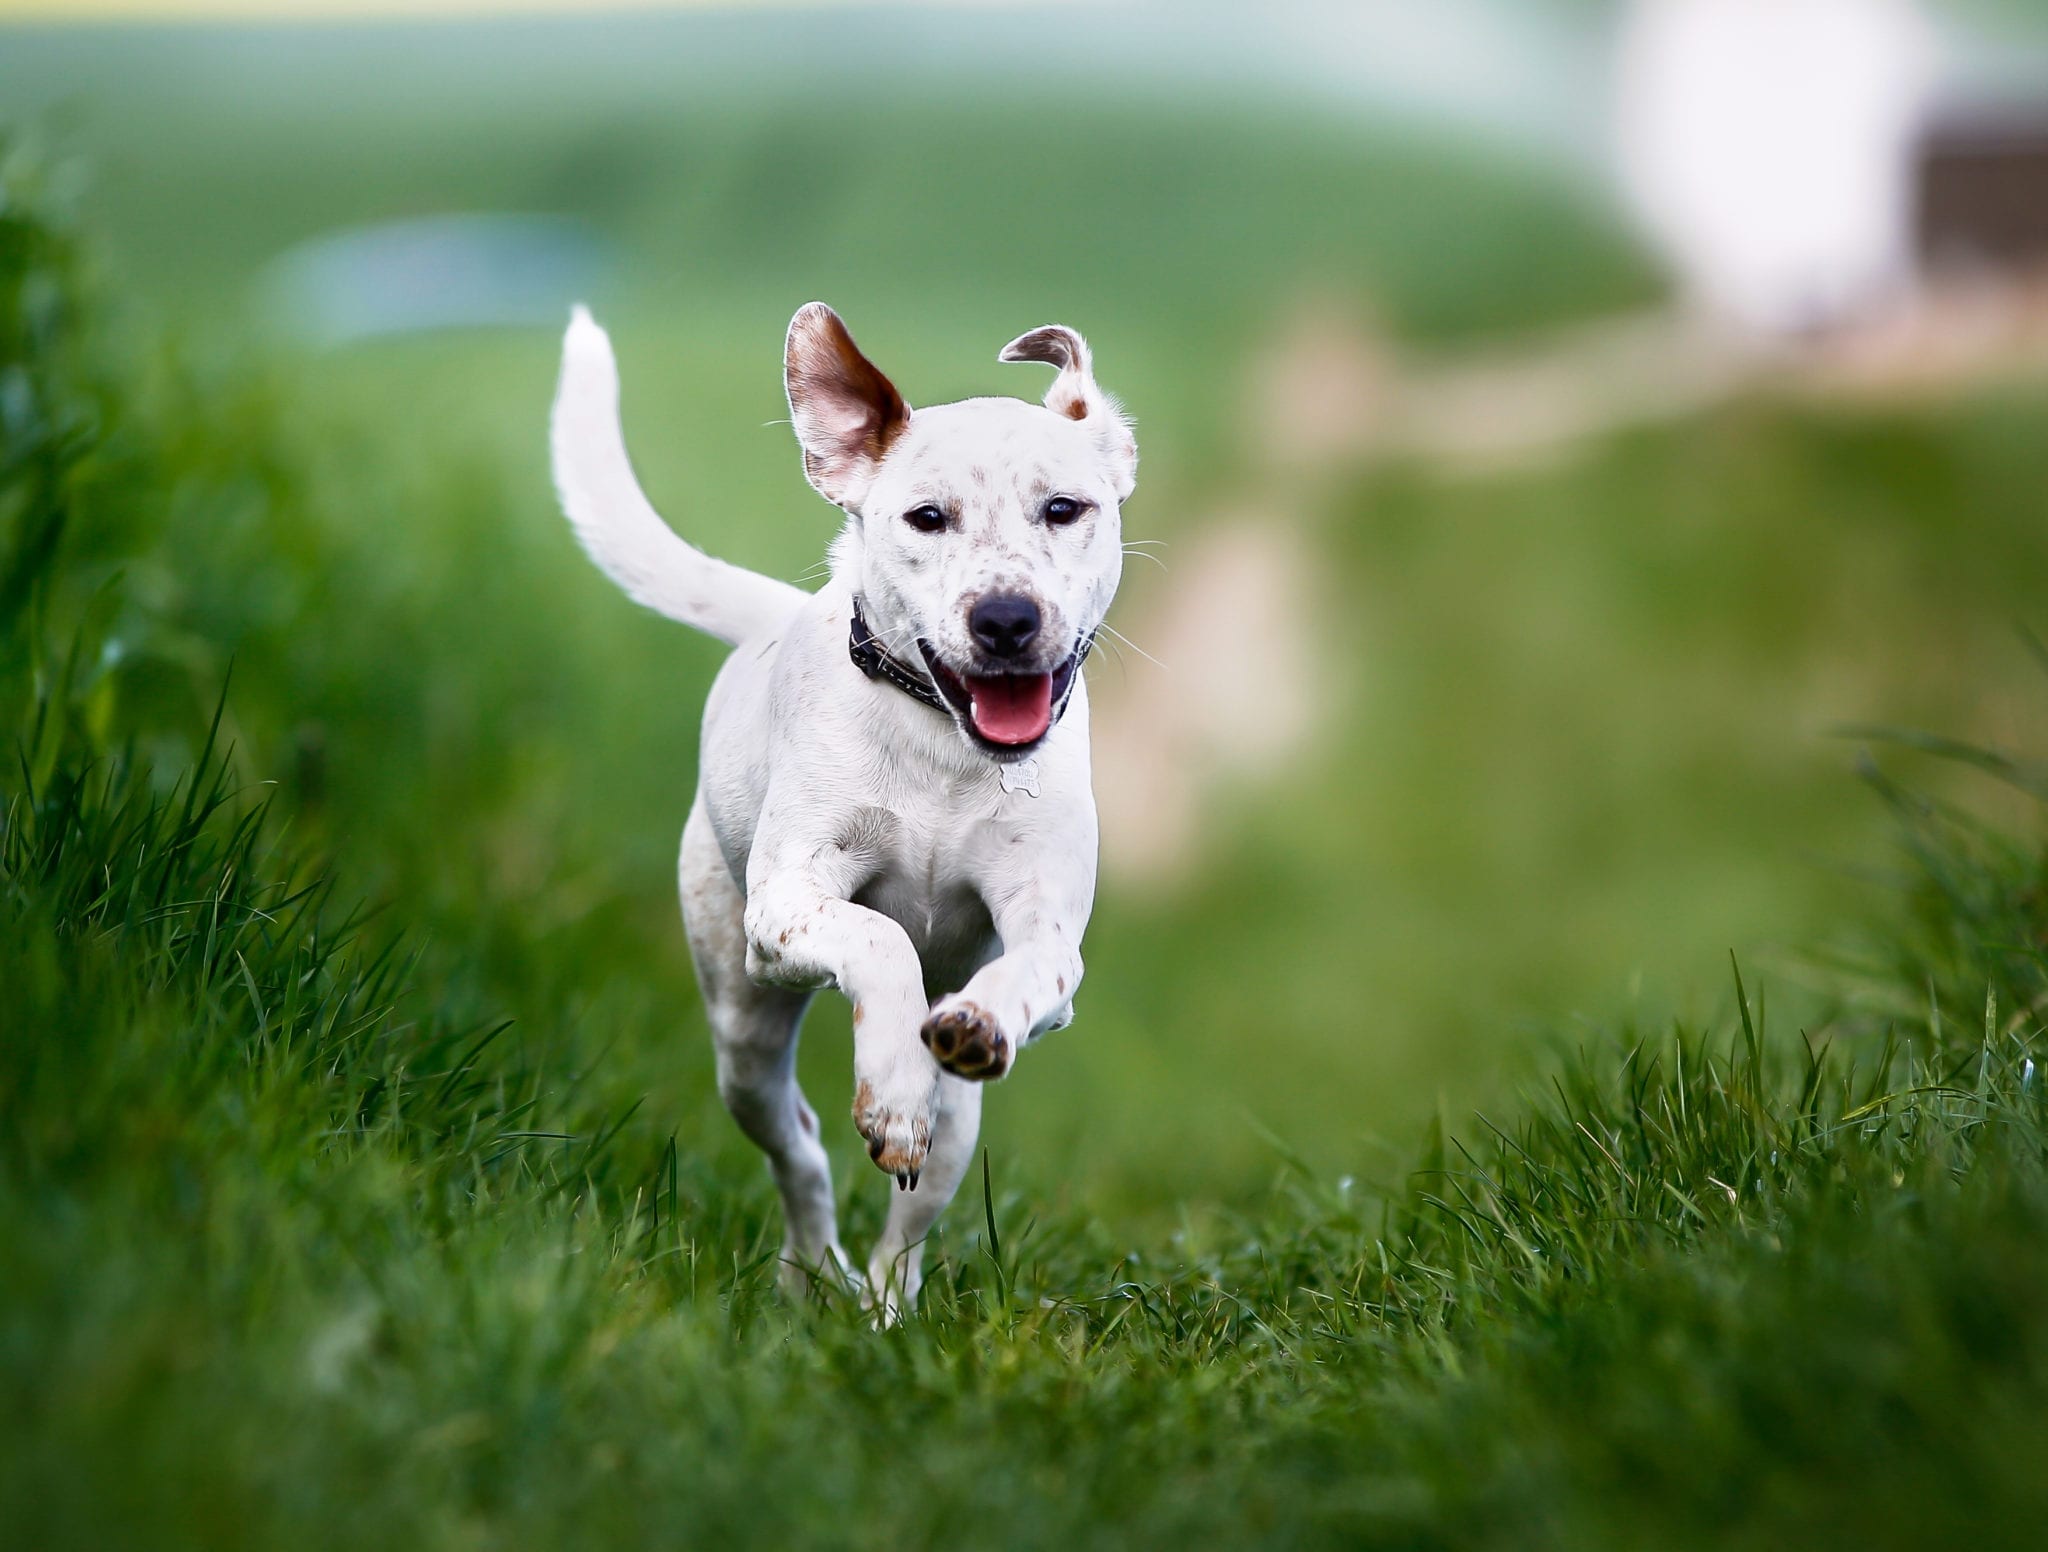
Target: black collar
x: 865, y: 648
x: 872, y: 659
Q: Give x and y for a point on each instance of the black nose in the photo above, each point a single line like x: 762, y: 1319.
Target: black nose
x: 1004, y: 623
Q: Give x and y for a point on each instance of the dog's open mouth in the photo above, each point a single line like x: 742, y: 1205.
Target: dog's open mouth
x: 1006, y: 712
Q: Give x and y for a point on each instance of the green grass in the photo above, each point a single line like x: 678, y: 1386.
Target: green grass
x: 301, y: 1241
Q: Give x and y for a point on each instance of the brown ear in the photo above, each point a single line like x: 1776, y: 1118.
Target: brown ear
x: 1075, y: 395
x: 845, y: 411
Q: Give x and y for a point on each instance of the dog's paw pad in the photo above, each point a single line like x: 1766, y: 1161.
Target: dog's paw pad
x: 897, y: 1142
x: 967, y: 1042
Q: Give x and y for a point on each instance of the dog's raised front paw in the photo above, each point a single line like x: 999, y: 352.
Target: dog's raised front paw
x: 897, y: 1140
x: 967, y: 1041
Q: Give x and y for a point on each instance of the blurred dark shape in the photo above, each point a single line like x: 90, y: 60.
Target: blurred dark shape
x: 436, y: 272
x: 1983, y: 194
x: 309, y: 764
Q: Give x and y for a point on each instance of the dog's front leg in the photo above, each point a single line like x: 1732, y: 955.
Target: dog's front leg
x: 802, y: 931
x: 977, y: 1031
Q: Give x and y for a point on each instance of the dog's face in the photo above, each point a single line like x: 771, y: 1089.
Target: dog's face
x: 986, y: 542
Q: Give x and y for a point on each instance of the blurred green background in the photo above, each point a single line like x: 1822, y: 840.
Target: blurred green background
x: 1563, y: 725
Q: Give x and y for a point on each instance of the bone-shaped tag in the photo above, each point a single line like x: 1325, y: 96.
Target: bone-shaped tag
x: 1021, y: 776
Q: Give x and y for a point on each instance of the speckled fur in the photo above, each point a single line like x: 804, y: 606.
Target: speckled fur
x: 844, y: 834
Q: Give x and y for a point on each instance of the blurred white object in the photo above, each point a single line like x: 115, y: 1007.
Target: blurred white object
x: 1768, y: 146
x: 432, y: 272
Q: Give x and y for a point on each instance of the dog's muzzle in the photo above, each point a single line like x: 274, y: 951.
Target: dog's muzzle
x: 1006, y: 714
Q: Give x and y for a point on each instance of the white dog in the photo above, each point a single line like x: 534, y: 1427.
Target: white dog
x: 893, y: 796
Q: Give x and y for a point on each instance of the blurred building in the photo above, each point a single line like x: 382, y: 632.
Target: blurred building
x: 1982, y: 192
x: 1768, y: 146
x: 1808, y: 164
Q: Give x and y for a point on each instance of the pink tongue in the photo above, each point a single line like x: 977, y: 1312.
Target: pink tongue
x: 1011, y: 708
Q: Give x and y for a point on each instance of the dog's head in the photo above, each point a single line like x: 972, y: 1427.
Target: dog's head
x: 985, y: 542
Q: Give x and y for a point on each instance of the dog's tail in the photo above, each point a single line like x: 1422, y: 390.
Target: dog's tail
x: 620, y: 530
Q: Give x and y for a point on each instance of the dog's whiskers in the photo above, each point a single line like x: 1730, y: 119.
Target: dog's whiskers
x: 1122, y: 664
x: 912, y: 655
x: 1120, y: 636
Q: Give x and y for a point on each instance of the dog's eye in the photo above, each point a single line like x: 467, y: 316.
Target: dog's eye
x: 1061, y: 510
x: 925, y: 519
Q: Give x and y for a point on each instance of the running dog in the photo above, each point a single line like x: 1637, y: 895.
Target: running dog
x: 893, y: 796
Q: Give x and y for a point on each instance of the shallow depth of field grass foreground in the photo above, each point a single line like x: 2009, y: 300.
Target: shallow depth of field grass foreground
x: 320, y: 1229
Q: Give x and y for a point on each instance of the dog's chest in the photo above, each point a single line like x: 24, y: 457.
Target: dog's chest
x: 924, y: 874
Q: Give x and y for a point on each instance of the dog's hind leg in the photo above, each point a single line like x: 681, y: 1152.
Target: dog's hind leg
x: 754, y: 1029
x: 896, y: 1269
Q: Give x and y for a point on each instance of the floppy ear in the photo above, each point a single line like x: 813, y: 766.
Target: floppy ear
x: 845, y: 411
x: 1075, y: 395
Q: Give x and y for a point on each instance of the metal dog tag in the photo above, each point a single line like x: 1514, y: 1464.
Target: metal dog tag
x: 1021, y: 776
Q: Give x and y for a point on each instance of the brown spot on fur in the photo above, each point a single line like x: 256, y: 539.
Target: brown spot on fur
x: 898, y: 1160
x: 1063, y: 985
x: 1073, y: 391
x: 859, y: 1013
